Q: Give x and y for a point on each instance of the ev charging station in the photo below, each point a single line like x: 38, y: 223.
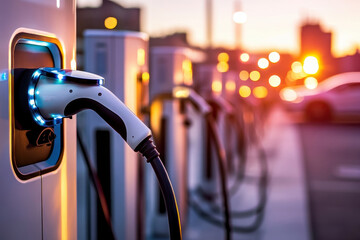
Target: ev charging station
x: 170, y: 67
x: 121, y: 57
x: 38, y: 164
x: 210, y: 84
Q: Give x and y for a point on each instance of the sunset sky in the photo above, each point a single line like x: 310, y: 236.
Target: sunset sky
x: 271, y: 25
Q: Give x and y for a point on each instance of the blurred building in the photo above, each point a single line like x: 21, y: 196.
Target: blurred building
x: 119, y: 18
x: 350, y: 63
x: 314, y: 41
x: 178, y: 39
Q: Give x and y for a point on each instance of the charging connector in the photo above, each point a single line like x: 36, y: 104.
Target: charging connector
x: 54, y: 94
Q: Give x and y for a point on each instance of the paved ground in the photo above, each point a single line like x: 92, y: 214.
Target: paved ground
x: 332, y: 160
x: 286, y: 215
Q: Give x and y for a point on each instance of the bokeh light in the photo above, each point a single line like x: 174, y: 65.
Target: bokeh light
x: 244, y: 91
x: 260, y: 92
x: 244, y: 75
x: 223, y: 57
x: 263, y: 63
x: 255, y: 76
x: 296, y: 67
x: 216, y: 86
x: 244, y: 57
x: 145, y: 76
x: 230, y: 86
x: 311, y: 65
x: 187, y: 70
x: 222, y: 67
x: 274, y: 57
x: 310, y: 83
x: 288, y: 94
x: 274, y: 81
x: 239, y: 17
x: 110, y: 22
x: 141, y: 57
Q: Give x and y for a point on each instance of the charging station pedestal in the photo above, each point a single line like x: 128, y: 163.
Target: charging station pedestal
x: 38, y: 179
x: 121, y: 58
x: 170, y: 67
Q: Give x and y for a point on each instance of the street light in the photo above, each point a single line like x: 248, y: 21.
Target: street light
x: 239, y: 17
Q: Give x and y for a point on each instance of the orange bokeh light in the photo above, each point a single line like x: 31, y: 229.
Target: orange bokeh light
x: 274, y: 81
x: 244, y: 91
x: 260, y: 92
x: 263, y: 63
x: 244, y: 57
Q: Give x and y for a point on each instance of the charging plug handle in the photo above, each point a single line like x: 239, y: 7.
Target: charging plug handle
x: 148, y: 150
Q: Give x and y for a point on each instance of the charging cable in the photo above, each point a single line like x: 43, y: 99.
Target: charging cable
x: 54, y: 94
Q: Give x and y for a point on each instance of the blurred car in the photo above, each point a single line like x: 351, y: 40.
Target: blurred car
x: 338, y: 95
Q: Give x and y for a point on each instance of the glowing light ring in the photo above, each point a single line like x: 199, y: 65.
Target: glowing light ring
x: 35, y: 112
x: 60, y: 75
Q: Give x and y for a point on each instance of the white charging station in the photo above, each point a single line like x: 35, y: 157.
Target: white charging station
x: 211, y: 85
x: 121, y: 58
x: 38, y: 181
x: 170, y: 67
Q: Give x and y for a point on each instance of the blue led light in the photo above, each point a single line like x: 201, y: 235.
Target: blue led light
x: 36, y: 74
x: 60, y: 76
x: 37, y: 43
x: 101, y: 82
x: 4, y: 76
x: 31, y: 91
x: 32, y: 103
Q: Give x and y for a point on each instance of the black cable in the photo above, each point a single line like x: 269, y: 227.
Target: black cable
x: 262, y: 186
x: 221, y: 162
x: 97, y: 185
x: 257, y: 211
x: 240, y: 174
x: 148, y: 150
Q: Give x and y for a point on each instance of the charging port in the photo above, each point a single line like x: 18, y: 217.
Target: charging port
x: 35, y: 150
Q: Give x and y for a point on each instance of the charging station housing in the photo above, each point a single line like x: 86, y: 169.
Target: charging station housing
x: 169, y: 67
x: 37, y: 177
x: 121, y: 58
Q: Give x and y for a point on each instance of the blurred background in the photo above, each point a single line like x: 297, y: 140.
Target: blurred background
x: 291, y: 71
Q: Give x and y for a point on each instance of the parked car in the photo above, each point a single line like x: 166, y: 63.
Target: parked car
x: 338, y: 95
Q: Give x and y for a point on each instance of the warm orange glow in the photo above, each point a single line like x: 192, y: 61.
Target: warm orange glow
x: 263, y: 63
x: 145, y: 76
x: 141, y: 57
x: 274, y: 57
x: 216, y: 86
x: 188, y: 73
x: 244, y: 75
x: 223, y: 57
x: 296, y: 67
x: 244, y: 57
x: 288, y: 94
x: 73, y: 64
x: 230, y: 86
x: 260, y: 92
x: 110, y: 22
x: 222, y: 67
x: 311, y: 65
x: 310, y: 83
x: 239, y: 17
x: 255, y: 76
x: 274, y: 81
x: 64, y: 200
x: 244, y: 91
x: 181, y: 92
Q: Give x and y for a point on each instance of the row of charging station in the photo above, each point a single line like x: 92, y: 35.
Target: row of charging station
x: 179, y: 131
x: 45, y: 184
